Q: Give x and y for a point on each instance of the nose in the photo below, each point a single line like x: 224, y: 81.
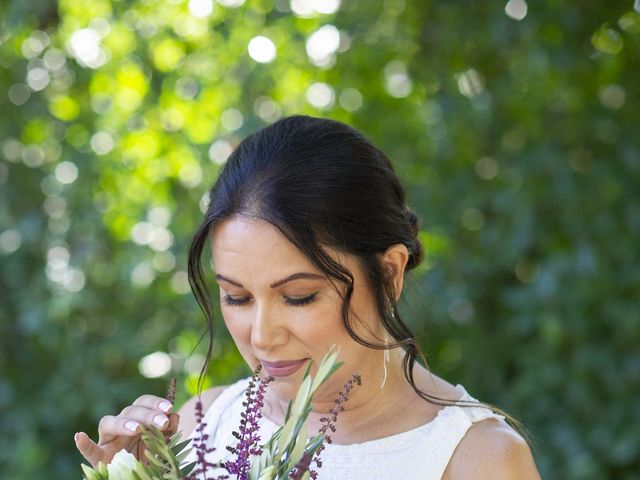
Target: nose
x: 266, y: 331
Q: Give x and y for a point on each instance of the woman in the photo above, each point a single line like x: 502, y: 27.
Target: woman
x: 311, y: 239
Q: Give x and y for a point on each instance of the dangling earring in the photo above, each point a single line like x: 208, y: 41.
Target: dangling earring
x: 386, y: 356
x: 385, y: 361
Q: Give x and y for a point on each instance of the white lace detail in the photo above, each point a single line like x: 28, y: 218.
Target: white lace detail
x: 422, y: 453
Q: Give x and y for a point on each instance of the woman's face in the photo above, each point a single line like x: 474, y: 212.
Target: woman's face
x: 279, y: 307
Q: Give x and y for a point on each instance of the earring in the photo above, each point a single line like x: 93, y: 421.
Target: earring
x: 385, y: 360
x: 386, y: 355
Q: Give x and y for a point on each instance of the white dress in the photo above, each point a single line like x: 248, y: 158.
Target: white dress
x: 418, y: 454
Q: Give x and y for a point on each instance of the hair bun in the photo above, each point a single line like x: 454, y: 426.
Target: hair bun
x: 416, y: 252
x: 414, y: 223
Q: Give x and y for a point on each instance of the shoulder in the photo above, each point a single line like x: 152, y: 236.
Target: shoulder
x: 491, y: 449
x: 188, y: 411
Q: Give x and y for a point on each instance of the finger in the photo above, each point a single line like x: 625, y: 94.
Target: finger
x: 88, y: 448
x: 154, y: 402
x: 144, y: 416
x: 110, y: 427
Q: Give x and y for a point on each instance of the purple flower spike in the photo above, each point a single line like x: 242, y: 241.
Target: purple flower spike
x: 329, y: 423
x: 247, y: 436
x: 199, y: 445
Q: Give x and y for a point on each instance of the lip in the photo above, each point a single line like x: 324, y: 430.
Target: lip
x: 282, y: 369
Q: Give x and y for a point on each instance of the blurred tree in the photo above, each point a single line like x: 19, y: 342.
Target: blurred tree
x: 514, y: 126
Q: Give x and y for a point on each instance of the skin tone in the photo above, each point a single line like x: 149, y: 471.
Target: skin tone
x: 278, y: 306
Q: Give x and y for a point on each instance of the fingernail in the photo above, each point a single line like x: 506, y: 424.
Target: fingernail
x: 75, y: 437
x: 160, y: 420
x: 131, y: 426
x: 165, y: 406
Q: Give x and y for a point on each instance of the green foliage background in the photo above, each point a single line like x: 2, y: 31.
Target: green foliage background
x: 516, y: 139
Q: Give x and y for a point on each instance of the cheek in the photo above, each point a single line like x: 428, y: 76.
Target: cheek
x: 238, y: 327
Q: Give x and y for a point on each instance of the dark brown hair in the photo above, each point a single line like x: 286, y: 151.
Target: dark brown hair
x: 321, y: 182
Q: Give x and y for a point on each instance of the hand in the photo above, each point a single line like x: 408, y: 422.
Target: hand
x: 123, y: 431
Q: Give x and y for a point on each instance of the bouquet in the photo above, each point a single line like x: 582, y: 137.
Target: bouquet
x: 288, y: 454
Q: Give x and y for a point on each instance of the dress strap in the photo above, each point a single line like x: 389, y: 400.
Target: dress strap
x: 450, y: 427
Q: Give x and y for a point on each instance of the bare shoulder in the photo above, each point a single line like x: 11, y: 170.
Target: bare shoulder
x: 188, y: 411
x: 491, y: 449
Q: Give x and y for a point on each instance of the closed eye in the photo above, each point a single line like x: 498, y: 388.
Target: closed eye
x: 233, y: 301
x: 294, y: 302
x: 298, y: 302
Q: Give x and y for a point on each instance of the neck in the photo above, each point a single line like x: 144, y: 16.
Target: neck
x: 367, y: 404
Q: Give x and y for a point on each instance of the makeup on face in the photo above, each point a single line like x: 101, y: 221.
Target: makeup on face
x: 283, y: 369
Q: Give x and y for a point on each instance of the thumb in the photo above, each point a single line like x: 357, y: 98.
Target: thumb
x: 88, y: 448
x: 174, y: 420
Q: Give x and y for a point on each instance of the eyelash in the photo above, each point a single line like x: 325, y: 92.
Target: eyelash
x: 293, y: 302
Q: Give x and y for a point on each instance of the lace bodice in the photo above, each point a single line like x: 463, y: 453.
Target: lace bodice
x: 421, y: 453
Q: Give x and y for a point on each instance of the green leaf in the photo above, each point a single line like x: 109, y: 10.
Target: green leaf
x: 268, y: 473
x: 303, y: 397
x: 187, y: 469
x: 299, y: 447
x: 327, y: 367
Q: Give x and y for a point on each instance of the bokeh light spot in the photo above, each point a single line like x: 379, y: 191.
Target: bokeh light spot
x: 201, y: 8
x: 32, y: 156
x: 55, y: 207
x: 12, y: 149
x: 159, y: 216
x: 516, y: 9
x: 219, y: 151
x: 310, y: 8
x: 486, y: 168
x: 10, y: 241
x: 326, y: 7
x: 322, y: 45
x: 38, y: 79
x: 180, y: 283
x: 267, y: 109
x: 350, y: 99
x: 101, y: 143
x: 161, y: 239
x: 155, y: 365
x: 19, y: 94
x: 321, y: 95
x: 64, y: 107
x: 142, y: 274
x: 612, y: 96
x: 470, y: 83
x: 164, y: 261
x: 34, y: 44
x: 396, y: 79
x: 73, y: 280
x: 50, y: 186
x: 66, y: 172
x: 232, y: 119
x: 231, y: 3
x: 190, y: 175
x: 262, y: 49
x: 54, y: 59
x: 84, y: 45
x: 186, y: 88
x: 172, y: 119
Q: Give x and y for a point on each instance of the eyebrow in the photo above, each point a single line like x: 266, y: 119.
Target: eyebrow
x: 294, y: 276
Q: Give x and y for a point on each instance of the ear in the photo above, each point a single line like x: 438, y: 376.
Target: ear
x: 395, y: 260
